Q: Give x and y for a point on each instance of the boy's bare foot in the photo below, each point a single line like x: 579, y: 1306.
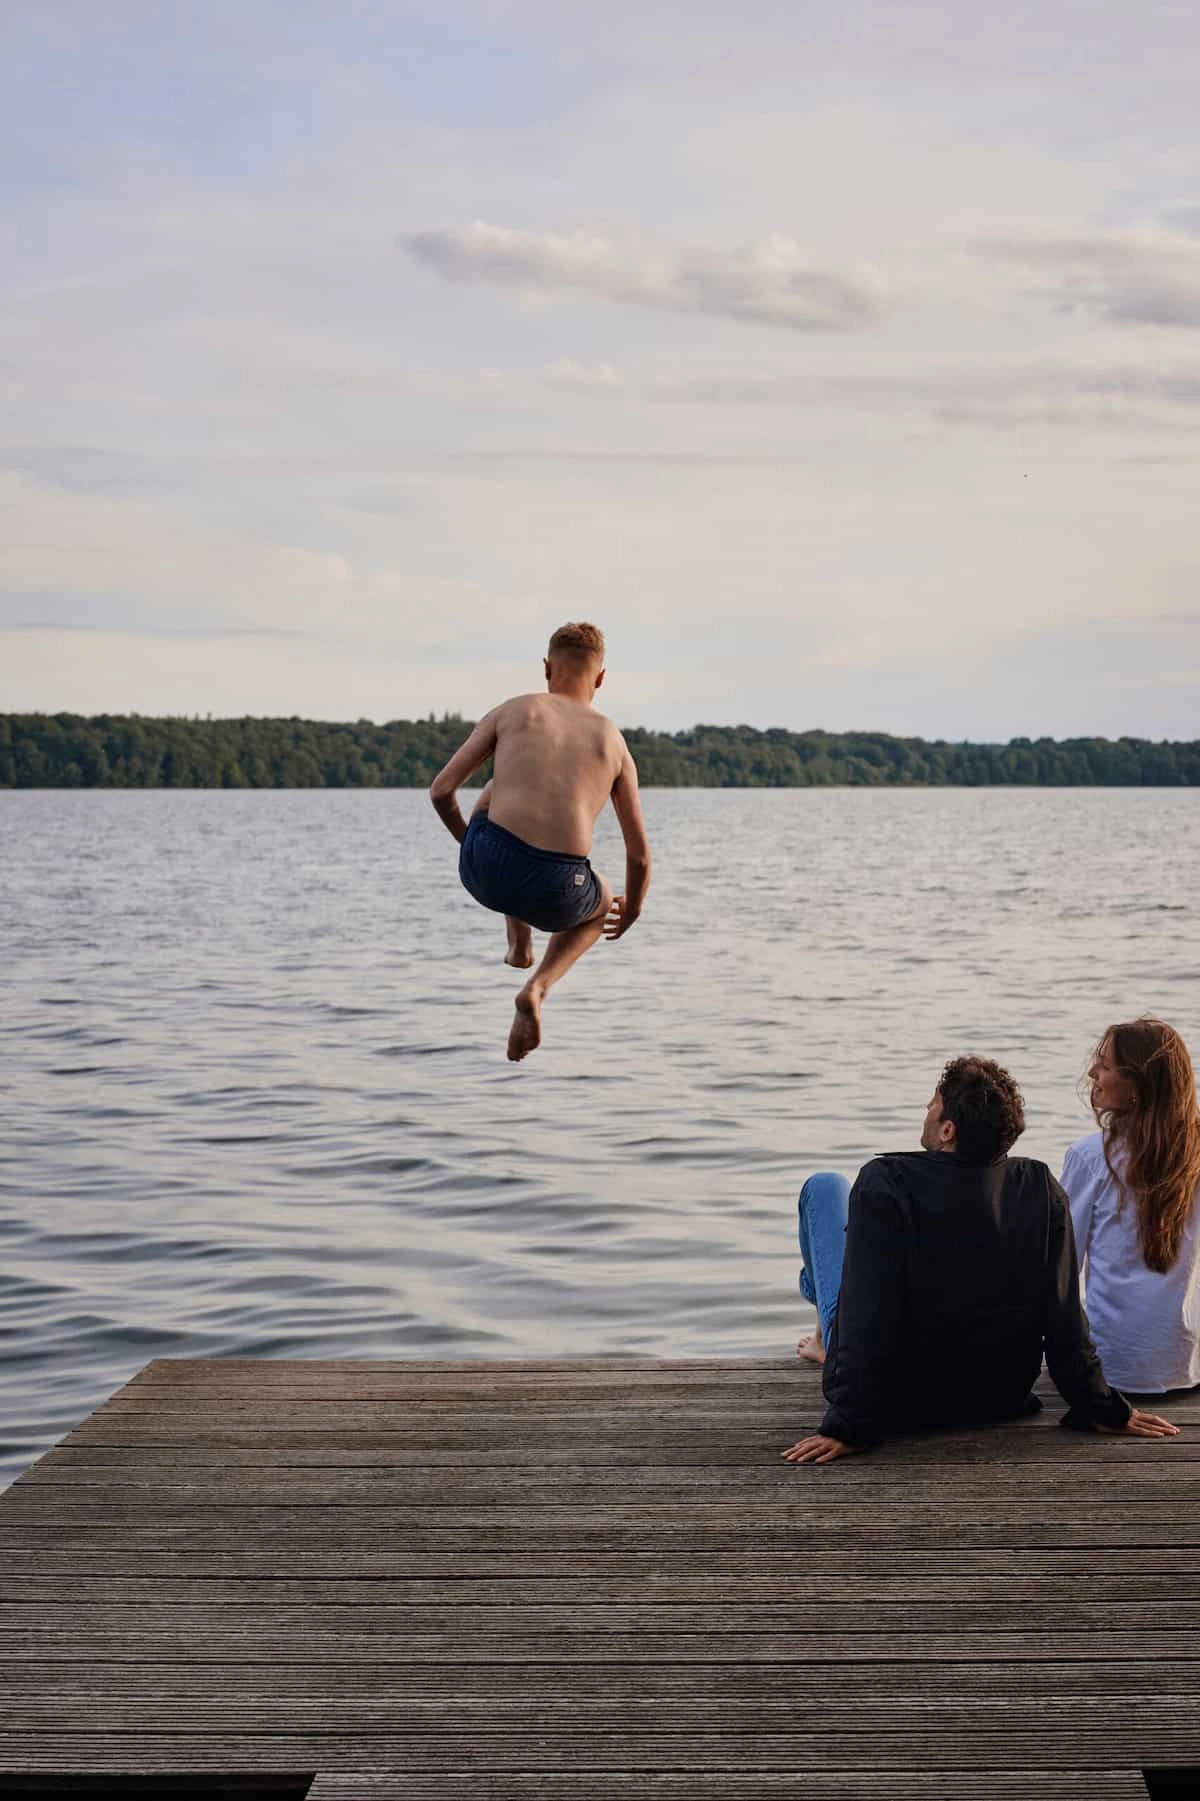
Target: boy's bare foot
x: 520, y: 949
x: 811, y: 1348
x: 526, y: 1032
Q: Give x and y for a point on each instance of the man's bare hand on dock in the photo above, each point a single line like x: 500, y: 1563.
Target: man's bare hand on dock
x: 1143, y: 1425
x: 819, y: 1449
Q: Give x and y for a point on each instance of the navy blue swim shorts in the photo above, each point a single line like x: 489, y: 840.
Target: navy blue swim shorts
x: 542, y: 887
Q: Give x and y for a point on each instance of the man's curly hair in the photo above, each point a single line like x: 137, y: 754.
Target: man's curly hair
x: 985, y: 1106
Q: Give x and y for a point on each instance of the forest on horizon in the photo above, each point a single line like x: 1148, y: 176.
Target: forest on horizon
x: 69, y: 750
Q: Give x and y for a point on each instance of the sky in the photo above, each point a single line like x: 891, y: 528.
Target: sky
x: 841, y: 362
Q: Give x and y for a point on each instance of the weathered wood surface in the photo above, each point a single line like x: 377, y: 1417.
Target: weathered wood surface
x: 595, y: 1580
x: 735, y: 1785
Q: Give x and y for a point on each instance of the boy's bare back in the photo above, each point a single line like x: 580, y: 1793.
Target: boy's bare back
x: 556, y: 764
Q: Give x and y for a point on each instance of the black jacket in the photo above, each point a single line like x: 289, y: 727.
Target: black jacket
x: 957, y: 1277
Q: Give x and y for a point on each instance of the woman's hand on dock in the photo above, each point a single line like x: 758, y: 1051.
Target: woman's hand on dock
x: 819, y: 1449
x: 1144, y: 1425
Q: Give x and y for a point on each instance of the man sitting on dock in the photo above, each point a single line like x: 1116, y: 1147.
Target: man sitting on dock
x: 525, y: 852
x: 942, y: 1277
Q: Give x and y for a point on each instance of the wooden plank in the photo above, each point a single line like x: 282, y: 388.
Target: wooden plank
x: 1067, y: 1748
x: 751, y: 1491
x: 666, y: 1387
x: 644, y: 1408
x: 237, y: 1448
x: 648, y: 1438
x: 561, y: 1443
x: 747, y: 1570
x: 809, y: 1507
x: 75, y: 1644
x: 812, y: 1784
x: 415, y: 1399
x: 767, y: 1594
x: 344, y: 1529
x: 260, y: 1372
x: 1000, y: 1446
x: 753, y: 1408
x: 615, y: 1403
x: 502, y: 1682
x: 577, y: 1716
x: 513, y: 1620
x: 525, y: 1395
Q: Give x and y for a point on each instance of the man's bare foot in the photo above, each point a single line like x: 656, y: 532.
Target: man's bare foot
x: 811, y: 1348
x: 520, y: 944
x: 526, y: 1032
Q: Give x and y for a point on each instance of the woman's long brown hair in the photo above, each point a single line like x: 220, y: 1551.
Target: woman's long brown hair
x: 1158, y: 1134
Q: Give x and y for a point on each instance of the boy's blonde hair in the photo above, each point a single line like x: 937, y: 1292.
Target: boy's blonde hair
x: 577, y: 639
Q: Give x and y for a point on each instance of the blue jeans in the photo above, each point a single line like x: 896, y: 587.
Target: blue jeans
x: 823, y: 1209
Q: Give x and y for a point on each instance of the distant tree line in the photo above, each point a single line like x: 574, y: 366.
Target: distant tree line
x: 65, y: 750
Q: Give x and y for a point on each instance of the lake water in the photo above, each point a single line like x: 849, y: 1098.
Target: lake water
x: 256, y: 1100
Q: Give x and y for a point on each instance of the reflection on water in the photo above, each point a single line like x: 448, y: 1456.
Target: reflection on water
x: 257, y: 1101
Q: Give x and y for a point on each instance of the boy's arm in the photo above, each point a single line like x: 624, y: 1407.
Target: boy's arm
x: 627, y: 805
x: 443, y: 790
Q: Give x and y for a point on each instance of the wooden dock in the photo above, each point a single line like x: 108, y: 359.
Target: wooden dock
x: 590, y: 1580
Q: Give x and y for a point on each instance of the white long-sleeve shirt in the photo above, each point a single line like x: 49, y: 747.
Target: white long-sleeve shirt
x: 1145, y: 1325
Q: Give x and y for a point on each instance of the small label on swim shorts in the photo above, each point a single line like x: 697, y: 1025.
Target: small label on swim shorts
x: 579, y: 879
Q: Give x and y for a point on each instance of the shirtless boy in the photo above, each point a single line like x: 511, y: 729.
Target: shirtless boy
x: 525, y: 852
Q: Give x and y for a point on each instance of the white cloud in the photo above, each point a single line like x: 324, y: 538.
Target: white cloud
x: 565, y: 372
x: 1105, y: 392
x: 1131, y: 278
x: 771, y: 282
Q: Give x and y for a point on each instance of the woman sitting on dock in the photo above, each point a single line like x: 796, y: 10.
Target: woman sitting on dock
x: 1134, y: 1188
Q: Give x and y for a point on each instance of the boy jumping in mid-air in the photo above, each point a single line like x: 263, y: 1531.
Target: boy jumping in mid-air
x: 525, y: 852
